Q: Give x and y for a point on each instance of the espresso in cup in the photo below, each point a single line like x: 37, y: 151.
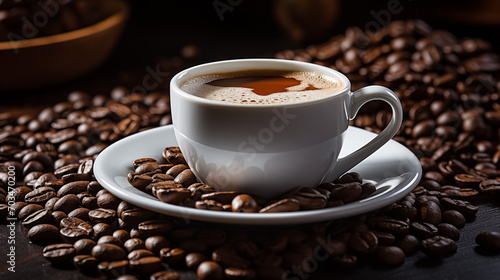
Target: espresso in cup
x: 263, y: 86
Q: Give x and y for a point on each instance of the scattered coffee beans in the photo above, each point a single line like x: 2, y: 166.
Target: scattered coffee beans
x: 449, y: 92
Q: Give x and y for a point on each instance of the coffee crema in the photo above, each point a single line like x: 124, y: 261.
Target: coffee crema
x: 263, y: 86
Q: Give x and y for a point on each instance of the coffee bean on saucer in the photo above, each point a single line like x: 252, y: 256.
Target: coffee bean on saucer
x: 284, y: 205
x: 244, y: 203
x: 173, y: 155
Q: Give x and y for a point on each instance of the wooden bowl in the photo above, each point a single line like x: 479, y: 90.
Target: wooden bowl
x: 44, y: 61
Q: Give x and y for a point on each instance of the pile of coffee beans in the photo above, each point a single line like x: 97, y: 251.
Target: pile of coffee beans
x: 173, y: 182
x: 449, y: 91
x: 27, y: 19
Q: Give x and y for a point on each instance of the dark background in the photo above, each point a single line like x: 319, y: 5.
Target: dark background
x: 158, y: 31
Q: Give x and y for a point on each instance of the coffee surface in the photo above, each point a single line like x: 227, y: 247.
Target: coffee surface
x: 263, y: 86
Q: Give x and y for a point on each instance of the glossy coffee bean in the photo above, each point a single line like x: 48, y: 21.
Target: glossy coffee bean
x: 59, y: 253
x: 391, y: 256
x: 438, y: 246
x: 489, y: 240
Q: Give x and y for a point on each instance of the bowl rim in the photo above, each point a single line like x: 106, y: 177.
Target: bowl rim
x: 119, y: 15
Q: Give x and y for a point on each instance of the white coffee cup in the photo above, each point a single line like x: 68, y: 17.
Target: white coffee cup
x: 269, y: 149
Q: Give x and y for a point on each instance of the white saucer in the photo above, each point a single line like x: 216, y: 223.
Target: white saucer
x: 393, y: 166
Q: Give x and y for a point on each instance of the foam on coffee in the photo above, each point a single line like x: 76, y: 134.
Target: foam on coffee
x: 310, y: 86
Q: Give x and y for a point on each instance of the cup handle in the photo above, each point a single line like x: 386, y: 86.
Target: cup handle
x: 358, y: 99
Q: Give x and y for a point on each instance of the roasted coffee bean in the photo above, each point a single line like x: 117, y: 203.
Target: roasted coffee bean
x: 145, y: 265
x: 75, y: 187
x: 165, y: 275
x: 28, y: 209
x: 42, y: 216
x: 177, y: 169
x: 347, y: 192
x: 448, y: 230
x: 391, y: 256
x: 172, y: 195
x: 244, y: 203
x: 108, y: 252
x: 101, y: 215
x: 85, y: 263
x: 73, y: 228
x: 490, y: 187
x: 139, y: 253
x: 58, y: 216
x: 454, y: 217
x: 210, y: 205
x: 173, y: 155
x: 109, y: 239
x: 102, y: 229
x: 186, y: 178
x: 155, y: 227
x: 121, y: 235
x: 464, y: 207
x: 40, y: 195
x: 423, y: 230
x: 73, y: 177
x: 43, y: 233
x: 93, y: 187
x: 438, y: 246
x: 59, y: 253
x: 108, y: 201
x: 309, y: 198
x: 210, y: 270
x: 284, y: 205
x: 228, y: 256
x: 113, y: 268
x: 193, y: 260
x: 467, y: 181
x: 384, y: 238
x: 238, y: 273
x: 430, y: 212
x: 173, y: 256
x: 386, y: 224
x: 489, y: 240
x: 156, y: 243
x: 134, y: 244
x: 462, y: 193
x: 409, y: 244
x: 84, y: 246
x: 363, y: 242
x: 80, y: 213
x: 223, y: 197
x: 66, y: 203
x: 347, y: 261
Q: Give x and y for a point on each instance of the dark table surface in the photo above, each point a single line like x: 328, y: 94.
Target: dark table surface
x: 155, y: 35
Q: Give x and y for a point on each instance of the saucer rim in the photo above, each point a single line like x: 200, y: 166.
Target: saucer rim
x: 146, y: 201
